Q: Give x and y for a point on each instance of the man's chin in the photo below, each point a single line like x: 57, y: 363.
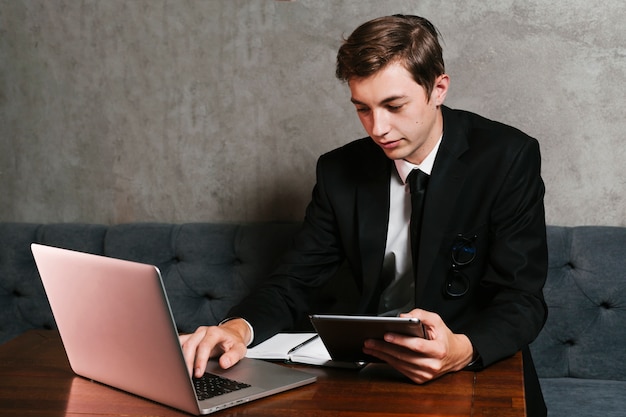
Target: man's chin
x: 394, y: 154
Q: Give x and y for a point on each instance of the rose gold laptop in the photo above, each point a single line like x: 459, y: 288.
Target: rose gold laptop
x: 117, y: 328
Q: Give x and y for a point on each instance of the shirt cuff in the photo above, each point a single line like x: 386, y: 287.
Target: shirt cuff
x: 475, y: 364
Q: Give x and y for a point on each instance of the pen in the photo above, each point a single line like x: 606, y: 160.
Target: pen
x: 306, y: 342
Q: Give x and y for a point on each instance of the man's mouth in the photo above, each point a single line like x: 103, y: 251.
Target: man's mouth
x: 391, y: 144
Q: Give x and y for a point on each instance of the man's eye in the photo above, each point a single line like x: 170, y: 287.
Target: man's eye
x: 362, y: 109
x: 394, y: 108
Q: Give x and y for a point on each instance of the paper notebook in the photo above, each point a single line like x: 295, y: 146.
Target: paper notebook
x: 305, y: 348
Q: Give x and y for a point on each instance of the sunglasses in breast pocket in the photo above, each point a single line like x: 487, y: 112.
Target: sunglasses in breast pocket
x: 462, y: 254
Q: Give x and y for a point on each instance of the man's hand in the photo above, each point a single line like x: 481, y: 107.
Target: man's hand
x: 420, y: 359
x: 228, y: 340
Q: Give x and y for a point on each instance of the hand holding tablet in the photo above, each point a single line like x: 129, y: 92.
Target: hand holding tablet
x: 344, y: 336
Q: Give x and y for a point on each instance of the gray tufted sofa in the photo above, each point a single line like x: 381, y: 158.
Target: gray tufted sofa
x: 580, y: 354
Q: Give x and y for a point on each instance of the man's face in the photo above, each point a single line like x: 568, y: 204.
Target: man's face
x: 396, y: 112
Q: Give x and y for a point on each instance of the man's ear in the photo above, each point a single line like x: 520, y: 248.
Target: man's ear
x: 440, y: 90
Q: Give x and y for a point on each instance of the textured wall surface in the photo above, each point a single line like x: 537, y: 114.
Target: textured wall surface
x: 116, y: 111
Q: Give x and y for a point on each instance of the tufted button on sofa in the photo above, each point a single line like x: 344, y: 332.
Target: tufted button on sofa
x: 580, y: 354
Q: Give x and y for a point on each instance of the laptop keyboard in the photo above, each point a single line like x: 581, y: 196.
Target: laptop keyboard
x: 210, y: 385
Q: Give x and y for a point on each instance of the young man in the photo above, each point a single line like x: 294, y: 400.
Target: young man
x: 480, y: 259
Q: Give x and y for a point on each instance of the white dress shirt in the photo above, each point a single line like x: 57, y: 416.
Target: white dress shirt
x: 399, y: 296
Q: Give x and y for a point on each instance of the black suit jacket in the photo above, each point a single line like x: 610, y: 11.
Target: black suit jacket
x: 485, y: 183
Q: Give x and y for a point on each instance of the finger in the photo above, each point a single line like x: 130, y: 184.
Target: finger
x: 415, y: 313
x: 419, y: 368
x: 203, y: 354
x: 189, y: 343
x: 419, y: 359
x: 390, y: 351
x: 426, y: 317
x: 412, y: 371
x: 231, y: 356
x: 204, y: 350
x: 434, y: 325
x: 197, y: 348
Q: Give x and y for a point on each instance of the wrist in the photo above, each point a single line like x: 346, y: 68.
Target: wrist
x: 466, y: 352
x: 239, y: 326
x: 476, y: 361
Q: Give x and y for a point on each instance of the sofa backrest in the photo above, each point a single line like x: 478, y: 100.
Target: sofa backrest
x: 585, y: 333
x: 206, y: 268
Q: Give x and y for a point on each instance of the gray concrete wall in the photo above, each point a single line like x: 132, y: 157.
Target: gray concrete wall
x: 116, y: 111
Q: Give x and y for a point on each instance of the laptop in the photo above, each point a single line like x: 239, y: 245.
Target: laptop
x: 117, y: 328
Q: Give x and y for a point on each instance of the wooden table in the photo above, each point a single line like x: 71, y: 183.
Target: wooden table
x: 35, y: 380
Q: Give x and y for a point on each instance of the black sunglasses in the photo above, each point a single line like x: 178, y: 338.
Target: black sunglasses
x: 463, y: 253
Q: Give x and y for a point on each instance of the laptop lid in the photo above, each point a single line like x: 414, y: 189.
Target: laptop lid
x: 117, y: 328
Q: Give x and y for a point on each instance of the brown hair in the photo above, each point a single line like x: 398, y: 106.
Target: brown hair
x: 411, y: 40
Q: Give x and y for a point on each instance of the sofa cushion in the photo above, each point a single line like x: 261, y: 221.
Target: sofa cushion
x: 585, y: 291
x: 574, y: 397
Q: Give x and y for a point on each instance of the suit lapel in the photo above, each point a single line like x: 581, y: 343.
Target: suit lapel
x: 447, y: 179
x: 372, y: 220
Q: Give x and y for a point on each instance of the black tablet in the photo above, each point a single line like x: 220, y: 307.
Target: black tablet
x: 344, y: 336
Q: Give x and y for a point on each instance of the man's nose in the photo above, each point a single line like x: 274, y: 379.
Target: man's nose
x: 380, y: 123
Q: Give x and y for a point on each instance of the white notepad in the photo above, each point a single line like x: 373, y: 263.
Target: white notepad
x: 305, y: 348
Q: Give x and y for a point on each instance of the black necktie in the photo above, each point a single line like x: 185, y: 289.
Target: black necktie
x: 418, y: 181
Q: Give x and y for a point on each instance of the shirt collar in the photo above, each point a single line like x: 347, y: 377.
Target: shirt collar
x: 404, y: 167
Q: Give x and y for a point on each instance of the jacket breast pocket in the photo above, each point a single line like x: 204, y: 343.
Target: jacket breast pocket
x: 467, y: 255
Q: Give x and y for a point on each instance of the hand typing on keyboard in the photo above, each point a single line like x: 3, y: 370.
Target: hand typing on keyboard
x: 228, y: 341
